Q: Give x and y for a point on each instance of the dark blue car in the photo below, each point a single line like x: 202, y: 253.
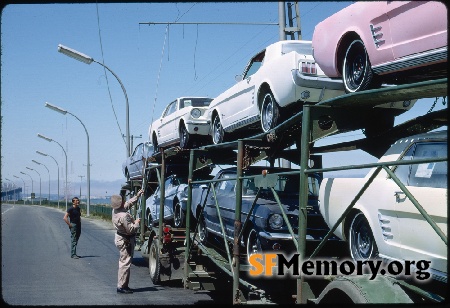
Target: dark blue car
x: 266, y: 229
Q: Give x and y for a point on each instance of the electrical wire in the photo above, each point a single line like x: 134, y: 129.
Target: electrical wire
x: 221, y: 63
x: 253, y: 52
x: 106, y: 75
x: 162, y: 55
x: 159, y: 74
x: 195, y: 51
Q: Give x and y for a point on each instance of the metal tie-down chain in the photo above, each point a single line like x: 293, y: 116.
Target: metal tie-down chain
x: 434, y: 104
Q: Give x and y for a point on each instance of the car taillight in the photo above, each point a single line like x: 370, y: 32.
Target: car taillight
x: 308, y: 68
x: 167, y: 235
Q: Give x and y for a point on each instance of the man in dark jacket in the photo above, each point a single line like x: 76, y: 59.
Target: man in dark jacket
x: 73, y: 220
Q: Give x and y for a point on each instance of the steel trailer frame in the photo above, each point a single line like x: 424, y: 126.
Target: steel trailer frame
x: 273, y: 144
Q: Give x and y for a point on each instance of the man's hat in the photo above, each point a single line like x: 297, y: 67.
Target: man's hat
x: 116, y: 201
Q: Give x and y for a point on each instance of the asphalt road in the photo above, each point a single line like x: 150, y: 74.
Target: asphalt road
x: 37, y: 268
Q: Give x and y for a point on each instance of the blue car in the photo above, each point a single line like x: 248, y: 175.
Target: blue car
x: 133, y: 166
x: 266, y: 229
x: 176, y: 196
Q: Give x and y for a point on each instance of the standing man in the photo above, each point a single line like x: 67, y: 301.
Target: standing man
x: 74, y: 214
x: 125, y: 238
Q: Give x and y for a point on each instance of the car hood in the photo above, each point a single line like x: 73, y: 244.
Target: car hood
x: 269, y: 204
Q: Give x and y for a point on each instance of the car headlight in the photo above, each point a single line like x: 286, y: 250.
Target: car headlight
x: 275, y: 221
x: 196, y: 113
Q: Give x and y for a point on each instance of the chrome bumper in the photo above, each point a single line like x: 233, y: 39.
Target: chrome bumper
x: 316, y: 82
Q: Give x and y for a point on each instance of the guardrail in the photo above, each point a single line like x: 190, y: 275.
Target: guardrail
x: 102, y: 210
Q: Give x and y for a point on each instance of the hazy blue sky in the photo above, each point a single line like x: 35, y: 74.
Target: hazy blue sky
x: 154, y: 64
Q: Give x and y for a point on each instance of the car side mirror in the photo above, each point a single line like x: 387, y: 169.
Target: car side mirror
x: 238, y: 78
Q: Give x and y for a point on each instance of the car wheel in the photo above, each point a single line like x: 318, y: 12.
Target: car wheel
x: 217, y: 131
x: 154, y: 265
x: 269, y: 112
x: 184, y: 137
x: 361, y: 241
x: 127, y: 175
x: 356, y: 71
x: 202, y: 231
x: 253, y: 244
x: 178, y: 215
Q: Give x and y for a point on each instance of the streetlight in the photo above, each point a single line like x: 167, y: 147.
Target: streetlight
x: 32, y: 189
x: 51, y: 140
x: 23, y: 186
x: 57, y: 165
x: 48, y: 178
x: 14, y: 188
x: 88, y: 60
x: 64, y: 112
x: 40, y: 190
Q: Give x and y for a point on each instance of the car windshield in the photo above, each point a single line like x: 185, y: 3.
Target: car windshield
x: 195, y: 102
x: 286, y: 184
x: 301, y: 48
x: 148, y: 148
x: 427, y: 174
x: 254, y: 64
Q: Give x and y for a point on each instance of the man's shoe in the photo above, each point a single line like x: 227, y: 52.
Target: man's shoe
x: 75, y: 257
x: 124, y: 290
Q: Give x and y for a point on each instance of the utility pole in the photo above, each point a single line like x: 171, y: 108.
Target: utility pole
x: 291, y: 30
x: 301, y: 285
x: 81, y: 181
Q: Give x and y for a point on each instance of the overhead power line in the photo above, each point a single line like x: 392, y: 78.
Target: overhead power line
x: 209, y: 23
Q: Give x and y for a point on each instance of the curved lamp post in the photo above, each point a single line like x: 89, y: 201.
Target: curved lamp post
x: 62, y: 111
x: 57, y: 165
x: 88, y: 60
x: 31, y: 186
x: 23, y: 186
x: 51, y: 140
x: 14, y: 187
x: 40, y: 190
x: 48, y: 178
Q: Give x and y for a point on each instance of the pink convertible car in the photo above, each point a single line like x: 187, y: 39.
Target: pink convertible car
x: 370, y: 43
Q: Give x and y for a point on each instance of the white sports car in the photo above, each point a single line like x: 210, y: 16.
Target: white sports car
x: 275, y: 83
x: 182, y: 123
x: 384, y: 221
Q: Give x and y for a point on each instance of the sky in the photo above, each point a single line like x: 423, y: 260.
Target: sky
x: 155, y: 64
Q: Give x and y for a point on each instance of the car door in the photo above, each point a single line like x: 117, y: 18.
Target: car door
x: 238, y: 105
x: 171, y: 187
x: 136, y: 161
x: 428, y: 184
x: 410, y: 33
x: 226, y: 199
x: 151, y: 204
x: 167, y: 126
x: 156, y: 199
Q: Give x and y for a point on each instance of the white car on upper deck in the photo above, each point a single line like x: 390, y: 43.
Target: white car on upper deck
x: 275, y: 83
x: 182, y: 123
